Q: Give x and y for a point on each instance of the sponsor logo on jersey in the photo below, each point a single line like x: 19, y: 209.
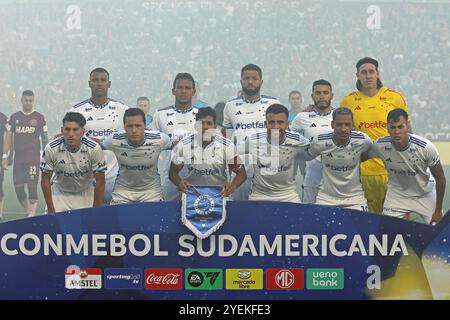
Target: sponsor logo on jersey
x: 251, y: 125
x: 388, y: 160
x: 357, y: 108
x: 372, y: 125
x: 89, y: 119
x: 284, y: 279
x: 124, y: 154
x: 238, y: 113
x: 170, y: 123
x: 99, y: 133
x: 313, y: 125
x: 62, y: 162
x: 163, y: 279
x: 83, y: 278
x: 25, y: 129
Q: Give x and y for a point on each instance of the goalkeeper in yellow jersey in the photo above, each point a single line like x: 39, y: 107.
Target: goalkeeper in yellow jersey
x: 370, y: 105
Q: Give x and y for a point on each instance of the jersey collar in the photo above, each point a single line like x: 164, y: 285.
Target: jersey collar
x: 182, y: 111
x: 98, y: 106
x: 250, y: 101
x: 316, y: 111
x: 340, y: 145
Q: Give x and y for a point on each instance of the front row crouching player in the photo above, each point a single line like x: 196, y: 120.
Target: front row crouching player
x: 137, y: 151
x: 75, y: 162
x: 341, y: 151
x: 411, y: 194
x: 207, y: 155
x: 273, y: 153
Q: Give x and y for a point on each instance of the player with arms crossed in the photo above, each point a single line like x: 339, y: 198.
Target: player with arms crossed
x: 409, y: 159
x: 75, y: 162
x: 137, y: 151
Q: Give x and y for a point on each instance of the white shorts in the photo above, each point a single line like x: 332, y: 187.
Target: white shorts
x: 290, y: 196
x: 66, y: 201
x: 355, y: 203
x: 122, y: 196
x: 402, y: 206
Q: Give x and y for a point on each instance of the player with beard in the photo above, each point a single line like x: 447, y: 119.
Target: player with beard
x: 310, y: 124
x: 245, y: 115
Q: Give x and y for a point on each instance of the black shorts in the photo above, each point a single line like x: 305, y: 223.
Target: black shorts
x: 24, y: 173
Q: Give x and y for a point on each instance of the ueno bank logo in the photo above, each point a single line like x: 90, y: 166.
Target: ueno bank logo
x: 163, y: 279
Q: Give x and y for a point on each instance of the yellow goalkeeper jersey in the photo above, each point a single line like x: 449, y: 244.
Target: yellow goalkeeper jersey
x: 370, y: 117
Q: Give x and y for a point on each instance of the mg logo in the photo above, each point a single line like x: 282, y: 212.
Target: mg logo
x: 284, y: 279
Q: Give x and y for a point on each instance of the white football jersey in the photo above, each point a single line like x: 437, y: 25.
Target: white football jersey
x: 205, y: 166
x: 176, y: 123
x: 246, y: 117
x: 409, y: 174
x: 273, y: 166
x: 101, y: 121
x: 310, y: 124
x: 73, y: 172
x: 341, y: 184
x: 138, y: 169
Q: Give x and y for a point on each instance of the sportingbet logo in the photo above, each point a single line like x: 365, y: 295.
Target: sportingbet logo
x: 83, y: 278
x: 325, y: 279
x: 372, y: 125
x: 99, y: 133
x: 251, y: 125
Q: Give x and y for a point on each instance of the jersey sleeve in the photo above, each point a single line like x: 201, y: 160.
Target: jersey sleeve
x: 295, y: 124
x: 11, y: 125
x: 107, y: 142
x: 374, y: 150
x: 314, y: 148
x: 47, y: 163
x: 98, y: 160
x: 432, y: 155
x: 177, y: 156
x: 44, y: 125
x: 227, y: 118
x: 155, y: 122
x: 167, y: 144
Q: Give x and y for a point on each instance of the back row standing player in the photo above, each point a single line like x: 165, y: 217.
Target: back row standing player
x: 103, y: 117
x: 370, y: 105
x: 177, y: 121
x: 26, y: 130
x: 246, y: 115
x: 310, y: 124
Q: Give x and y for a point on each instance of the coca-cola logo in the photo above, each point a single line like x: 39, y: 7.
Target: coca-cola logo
x: 170, y: 278
x: 163, y: 279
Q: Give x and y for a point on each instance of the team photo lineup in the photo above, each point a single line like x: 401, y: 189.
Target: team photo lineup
x: 360, y: 153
